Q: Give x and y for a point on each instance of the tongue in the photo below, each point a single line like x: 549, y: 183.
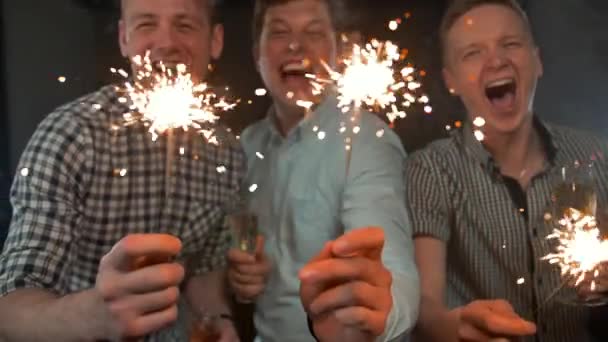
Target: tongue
x: 504, y: 103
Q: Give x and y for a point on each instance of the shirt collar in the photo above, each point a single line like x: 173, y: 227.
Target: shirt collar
x: 480, y: 154
x: 312, y: 122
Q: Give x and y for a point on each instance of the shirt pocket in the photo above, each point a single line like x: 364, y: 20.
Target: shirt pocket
x: 314, y: 222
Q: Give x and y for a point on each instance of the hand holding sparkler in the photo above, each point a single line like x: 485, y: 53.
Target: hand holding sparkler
x: 489, y: 320
x: 137, y: 286
x: 248, y: 272
x: 346, y: 289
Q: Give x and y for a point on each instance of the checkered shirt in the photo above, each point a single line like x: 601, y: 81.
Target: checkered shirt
x: 85, y: 181
x: 458, y: 196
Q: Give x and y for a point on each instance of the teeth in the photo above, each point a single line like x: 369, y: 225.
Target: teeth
x: 301, y: 66
x: 500, y: 82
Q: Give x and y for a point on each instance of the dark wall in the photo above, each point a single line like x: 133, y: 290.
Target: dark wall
x: 43, y: 40
x: 573, y: 37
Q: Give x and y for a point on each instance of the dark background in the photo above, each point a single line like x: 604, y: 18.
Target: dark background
x: 42, y: 40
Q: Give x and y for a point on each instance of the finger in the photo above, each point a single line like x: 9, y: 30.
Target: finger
x: 467, y: 332
x: 503, y: 307
x: 362, y: 318
x: 366, y: 241
x: 498, y: 324
x: 308, y: 289
x: 247, y: 292
x: 153, y: 322
x: 259, y: 246
x: 351, y: 294
x: 324, y: 253
x: 236, y: 256
x: 256, y: 269
x: 330, y: 272
x: 246, y: 279
x: 152, y: 278
x: 228, y: 333
x: 124, y: 254
x: 147, y: 303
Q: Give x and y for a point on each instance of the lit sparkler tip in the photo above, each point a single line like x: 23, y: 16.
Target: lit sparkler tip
x: 581, y: 250
x: 373, y: 76
x: 165, y: 98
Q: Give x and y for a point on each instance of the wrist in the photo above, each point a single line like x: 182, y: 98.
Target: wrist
x: 94, y: 309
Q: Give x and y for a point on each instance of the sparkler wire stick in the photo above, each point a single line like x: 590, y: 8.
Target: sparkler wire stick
x: 169, y: 159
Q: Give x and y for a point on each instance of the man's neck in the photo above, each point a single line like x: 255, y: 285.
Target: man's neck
x: 287, y: 117
x: 521, y: 154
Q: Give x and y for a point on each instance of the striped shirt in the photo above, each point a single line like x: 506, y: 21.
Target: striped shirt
x: 494, y: 231
x: 82, y: 186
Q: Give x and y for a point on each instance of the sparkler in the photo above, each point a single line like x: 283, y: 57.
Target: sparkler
x: 581, y: 250
x: 375, y: 77
x: 165, y: 98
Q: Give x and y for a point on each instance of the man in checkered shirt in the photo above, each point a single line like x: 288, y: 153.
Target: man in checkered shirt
x: 94, y: 251
x: 479, y: 199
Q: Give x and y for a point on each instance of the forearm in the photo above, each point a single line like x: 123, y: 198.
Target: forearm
x: 38, y: 315
x: 436, y: 323
x: 209, y: 293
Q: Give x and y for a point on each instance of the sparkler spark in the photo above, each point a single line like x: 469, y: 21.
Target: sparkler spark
x: 261, y: 92
x: 581, y: 249
x: 168, y: 98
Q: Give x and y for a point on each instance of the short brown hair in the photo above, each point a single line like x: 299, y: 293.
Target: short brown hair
x: 458, y: 8
x: 336, y: 8
x: 213, y: 7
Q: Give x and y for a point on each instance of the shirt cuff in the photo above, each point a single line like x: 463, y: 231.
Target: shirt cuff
x: 404, y: 311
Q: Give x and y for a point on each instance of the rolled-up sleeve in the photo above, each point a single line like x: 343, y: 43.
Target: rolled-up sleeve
x: 375, y: 196
x: 46, y: 196
x: 426, y: 197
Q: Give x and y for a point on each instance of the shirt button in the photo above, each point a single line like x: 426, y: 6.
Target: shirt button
x: 539, y: 281
x: 535, y: 232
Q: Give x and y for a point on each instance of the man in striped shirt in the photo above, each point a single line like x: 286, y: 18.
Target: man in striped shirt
x: 478, y: 200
